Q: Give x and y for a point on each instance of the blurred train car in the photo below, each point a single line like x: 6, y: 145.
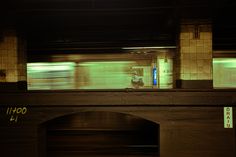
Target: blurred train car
x: 102, y: 71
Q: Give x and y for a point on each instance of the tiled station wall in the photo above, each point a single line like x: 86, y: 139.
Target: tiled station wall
x: 12, y: 57
x: 195, y: 52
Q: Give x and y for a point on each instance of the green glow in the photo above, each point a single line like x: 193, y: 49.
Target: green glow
x: 98, y: 74
x: 224, y: 72
x: 226, y: 62
x: 58, y: 75
x: 109, y: 74
x: 57, y: 66
x: 87, y: 75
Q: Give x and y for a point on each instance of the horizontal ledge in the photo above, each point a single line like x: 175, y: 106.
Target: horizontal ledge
x: 120, y: 98
x: 125, y: 90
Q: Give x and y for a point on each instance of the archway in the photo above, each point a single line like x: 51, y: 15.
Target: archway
x: 95, y: 134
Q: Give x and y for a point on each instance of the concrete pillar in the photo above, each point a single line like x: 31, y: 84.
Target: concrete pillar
x: 194, y: 61
x: 12, y: 61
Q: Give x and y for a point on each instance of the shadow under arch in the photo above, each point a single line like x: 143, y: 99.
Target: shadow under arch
x: 101, y: 133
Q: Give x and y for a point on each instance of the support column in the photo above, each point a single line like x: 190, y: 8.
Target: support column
x: 195, y: 55
x: 12, y: 61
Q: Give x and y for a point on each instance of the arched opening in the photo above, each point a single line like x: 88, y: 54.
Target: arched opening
x: 98, y: 134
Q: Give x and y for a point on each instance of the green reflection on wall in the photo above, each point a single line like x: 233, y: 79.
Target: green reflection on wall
x: 224, y: 72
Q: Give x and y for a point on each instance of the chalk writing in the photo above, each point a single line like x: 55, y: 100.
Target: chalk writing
x: 15, y: 112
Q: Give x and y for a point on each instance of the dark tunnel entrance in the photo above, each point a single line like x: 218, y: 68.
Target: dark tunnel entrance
x: 97, y: 134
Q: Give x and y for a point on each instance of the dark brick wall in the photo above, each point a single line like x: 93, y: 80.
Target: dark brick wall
x: 191, y: 122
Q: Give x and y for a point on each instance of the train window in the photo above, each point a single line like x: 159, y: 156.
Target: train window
x: 224, y: 72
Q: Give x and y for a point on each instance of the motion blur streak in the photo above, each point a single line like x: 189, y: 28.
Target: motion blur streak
x: 88, y: 75
x: 224, y: 72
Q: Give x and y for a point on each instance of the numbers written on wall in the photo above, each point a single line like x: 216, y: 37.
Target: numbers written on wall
x: 15, y: 113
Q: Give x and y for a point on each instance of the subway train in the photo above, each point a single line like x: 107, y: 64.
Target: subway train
x: 135, y: 69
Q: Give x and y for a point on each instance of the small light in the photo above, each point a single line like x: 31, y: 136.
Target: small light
x: 154, y: 76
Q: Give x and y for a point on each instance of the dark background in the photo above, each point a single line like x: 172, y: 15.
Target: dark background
x: 54, y: 24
